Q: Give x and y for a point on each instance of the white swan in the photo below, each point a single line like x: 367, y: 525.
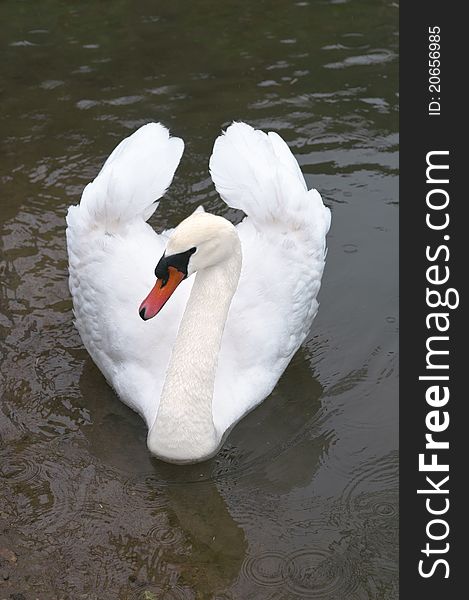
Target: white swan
x: 226, y: 335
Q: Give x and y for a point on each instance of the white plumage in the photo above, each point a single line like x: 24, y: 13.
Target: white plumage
x: 112, y: 257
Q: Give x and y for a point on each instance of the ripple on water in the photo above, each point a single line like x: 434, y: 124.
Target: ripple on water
x: 145, y: 487
x: 42, y: 499
x: 371, y: 489
x: 231, y: 462
x: 380, y: 504
x: 317, y: 573
x: 266, y: 569
x: 367, y: 514
x: 165, y: 534
x: 19, y: 469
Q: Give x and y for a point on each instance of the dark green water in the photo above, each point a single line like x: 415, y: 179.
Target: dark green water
x: 302, y: 501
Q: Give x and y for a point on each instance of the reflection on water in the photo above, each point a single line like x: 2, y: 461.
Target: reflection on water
x: 302, y: 500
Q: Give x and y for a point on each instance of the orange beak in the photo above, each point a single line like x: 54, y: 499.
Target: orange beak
x: 160, y: 294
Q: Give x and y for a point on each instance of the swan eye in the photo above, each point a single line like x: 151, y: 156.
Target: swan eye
x: 179, y: 261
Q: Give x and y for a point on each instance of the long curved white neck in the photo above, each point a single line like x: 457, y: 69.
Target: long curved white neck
x: 183, y: 429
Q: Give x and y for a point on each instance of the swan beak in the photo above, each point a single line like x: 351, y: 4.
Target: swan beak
x: 160, y: 294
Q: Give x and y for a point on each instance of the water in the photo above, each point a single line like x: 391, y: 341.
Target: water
x: 302, y: 500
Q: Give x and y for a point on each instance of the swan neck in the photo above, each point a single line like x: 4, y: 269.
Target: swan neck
x: 184, y: 430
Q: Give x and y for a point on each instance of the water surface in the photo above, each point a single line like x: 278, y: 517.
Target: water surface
x: 302, y: 500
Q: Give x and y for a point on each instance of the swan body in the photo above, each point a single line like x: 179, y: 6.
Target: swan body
x: 235, y: 302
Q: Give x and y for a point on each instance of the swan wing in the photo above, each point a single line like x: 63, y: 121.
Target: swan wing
x: 112, y: 256
x: 136, y: 174
x: 284, y: 245
x: 258, y: 174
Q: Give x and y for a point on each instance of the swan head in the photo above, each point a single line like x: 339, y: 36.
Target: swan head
x: 199, y: 242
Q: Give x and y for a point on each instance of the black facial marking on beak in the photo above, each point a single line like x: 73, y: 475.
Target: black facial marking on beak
x: 178, y: 261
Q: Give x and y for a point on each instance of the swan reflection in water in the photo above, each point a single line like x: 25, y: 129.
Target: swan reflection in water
x: 195, y: 520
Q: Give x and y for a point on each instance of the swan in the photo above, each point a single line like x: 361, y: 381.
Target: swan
x: 238, y: 301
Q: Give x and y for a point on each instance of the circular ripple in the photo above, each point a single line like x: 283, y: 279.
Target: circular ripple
x: 165, y: 535
x: 386, y: 509
x: 21, y: 469
x: 44, y: 497
x: 381, y: 504
x: 266, y: 569
x: 318, y: 574
x: 373, y: 487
